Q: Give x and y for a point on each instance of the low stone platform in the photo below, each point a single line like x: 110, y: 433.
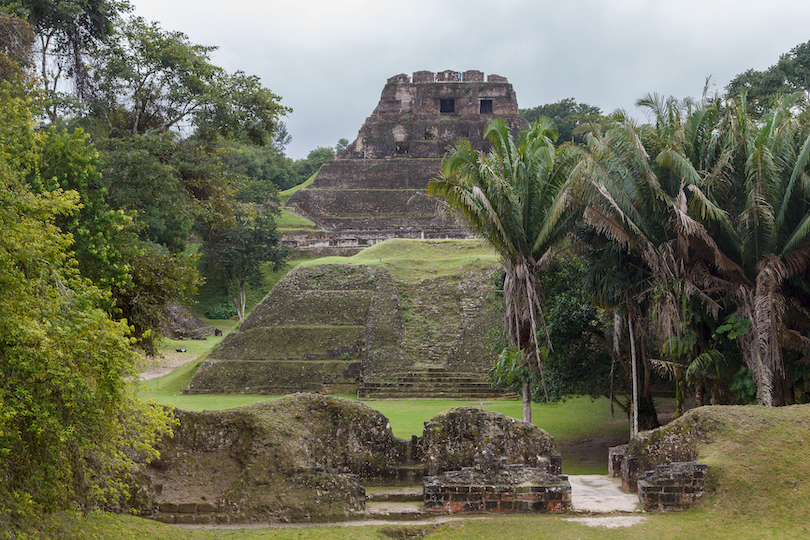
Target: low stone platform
x: 506, y: 489
x: 675, y: 486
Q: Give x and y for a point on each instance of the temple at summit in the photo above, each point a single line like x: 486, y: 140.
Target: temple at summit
x: 361, y: 329
x: 376, y: 189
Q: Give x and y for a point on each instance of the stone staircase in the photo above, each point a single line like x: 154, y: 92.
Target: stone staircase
x: 395, y: 503
x: 431, y: 383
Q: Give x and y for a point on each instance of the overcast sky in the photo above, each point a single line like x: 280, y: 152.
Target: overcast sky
x: 329, y: 60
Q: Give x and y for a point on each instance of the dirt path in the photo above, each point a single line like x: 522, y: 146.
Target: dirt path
x: 158, y: 366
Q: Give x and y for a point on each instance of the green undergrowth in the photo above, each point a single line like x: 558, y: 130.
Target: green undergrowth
x: 411, y: 261
x: 213, y: 292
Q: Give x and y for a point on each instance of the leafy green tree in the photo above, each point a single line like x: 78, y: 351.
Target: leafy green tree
x: 341, y: 146
x: 73, y: 428
x: 148, y: 80
x: 16, y: 46
x: 763, y: 88
x: 517, y: 198
x: 68, y: 33
x: 264, y: 171
x: 239, y: 250
x: 578, y: 362
x: 567, y: 115
x: 308, y: 166
x: 67, y: 161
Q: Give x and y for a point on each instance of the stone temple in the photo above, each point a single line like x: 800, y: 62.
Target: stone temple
x: 376, y: 189
x: 343, y: 329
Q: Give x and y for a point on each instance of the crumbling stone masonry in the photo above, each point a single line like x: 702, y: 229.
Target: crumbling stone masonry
x: 675, y: 486
x: 307, y: 457
x: 375, y: 190
x: 505, y: 489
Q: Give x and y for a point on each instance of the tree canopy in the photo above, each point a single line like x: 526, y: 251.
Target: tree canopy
x: 517, y: 198
x: 72, y: 425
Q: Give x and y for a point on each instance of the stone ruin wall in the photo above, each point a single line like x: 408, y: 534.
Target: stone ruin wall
x: 424, y: 115
x: 370, y: 194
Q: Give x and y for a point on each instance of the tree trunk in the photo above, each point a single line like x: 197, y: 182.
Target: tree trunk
x: 634, y: 426
x: 527, y: 402
x: 647, y: 415
x: 679, y: 390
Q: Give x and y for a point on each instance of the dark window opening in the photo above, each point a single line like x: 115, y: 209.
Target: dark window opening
x: 486, y: 106
x: 447, y: 105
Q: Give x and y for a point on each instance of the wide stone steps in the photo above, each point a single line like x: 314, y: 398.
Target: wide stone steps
x: 395, y: 503
x: 429, y: 384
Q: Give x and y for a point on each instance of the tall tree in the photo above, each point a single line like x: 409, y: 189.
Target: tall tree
x: 16, y: 42
x: 642, y: 193
x: 149, y: 80
x: 771, y: 220
x: 72, y: 425
x: 567, y: 115
x: 517, y: 198
x: 764, y: 88
x: 68, y: 33
x: 239, y: 249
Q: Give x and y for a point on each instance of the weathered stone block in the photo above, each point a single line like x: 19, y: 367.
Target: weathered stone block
x: 187, y: 508
x: 615, y: 457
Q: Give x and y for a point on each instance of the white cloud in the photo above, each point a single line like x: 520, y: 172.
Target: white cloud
x: 329, y: 60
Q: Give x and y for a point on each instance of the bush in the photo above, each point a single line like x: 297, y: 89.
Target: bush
x: 223, y: 310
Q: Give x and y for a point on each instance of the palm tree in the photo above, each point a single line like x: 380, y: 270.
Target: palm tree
x: 642, y: 186
x: 769, y: 200
x: 516, y: 197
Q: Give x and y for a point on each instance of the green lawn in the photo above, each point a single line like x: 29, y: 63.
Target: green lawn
x: 710, y: 522
x: 286, y: 220
x: 411, y: 261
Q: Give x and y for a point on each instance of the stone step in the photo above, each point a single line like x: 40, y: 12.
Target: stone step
x: 396, y: 494
x: 395, y: 510
x: 429, y: 395
x: 427, y: 384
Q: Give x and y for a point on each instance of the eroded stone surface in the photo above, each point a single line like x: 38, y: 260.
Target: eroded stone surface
x: 498, y: 488
x: 376, y: 190
x: 465, y: 436
x: 306, y: 457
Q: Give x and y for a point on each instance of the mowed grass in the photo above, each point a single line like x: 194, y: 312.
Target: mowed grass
x: 284, y: 196
x: 411, y: 261
x: 286, y: 221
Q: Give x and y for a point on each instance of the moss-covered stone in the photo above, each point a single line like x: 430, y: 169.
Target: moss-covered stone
x: 305, y: 457
x: 272, y: 377
x: 457, y: 438
x: 293, y: 343
x: 297, y: 458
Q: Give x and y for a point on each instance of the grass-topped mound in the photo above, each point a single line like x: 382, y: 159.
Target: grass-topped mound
x: 758, y: 468
x: 412, y: 261
x: 398, y: 308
